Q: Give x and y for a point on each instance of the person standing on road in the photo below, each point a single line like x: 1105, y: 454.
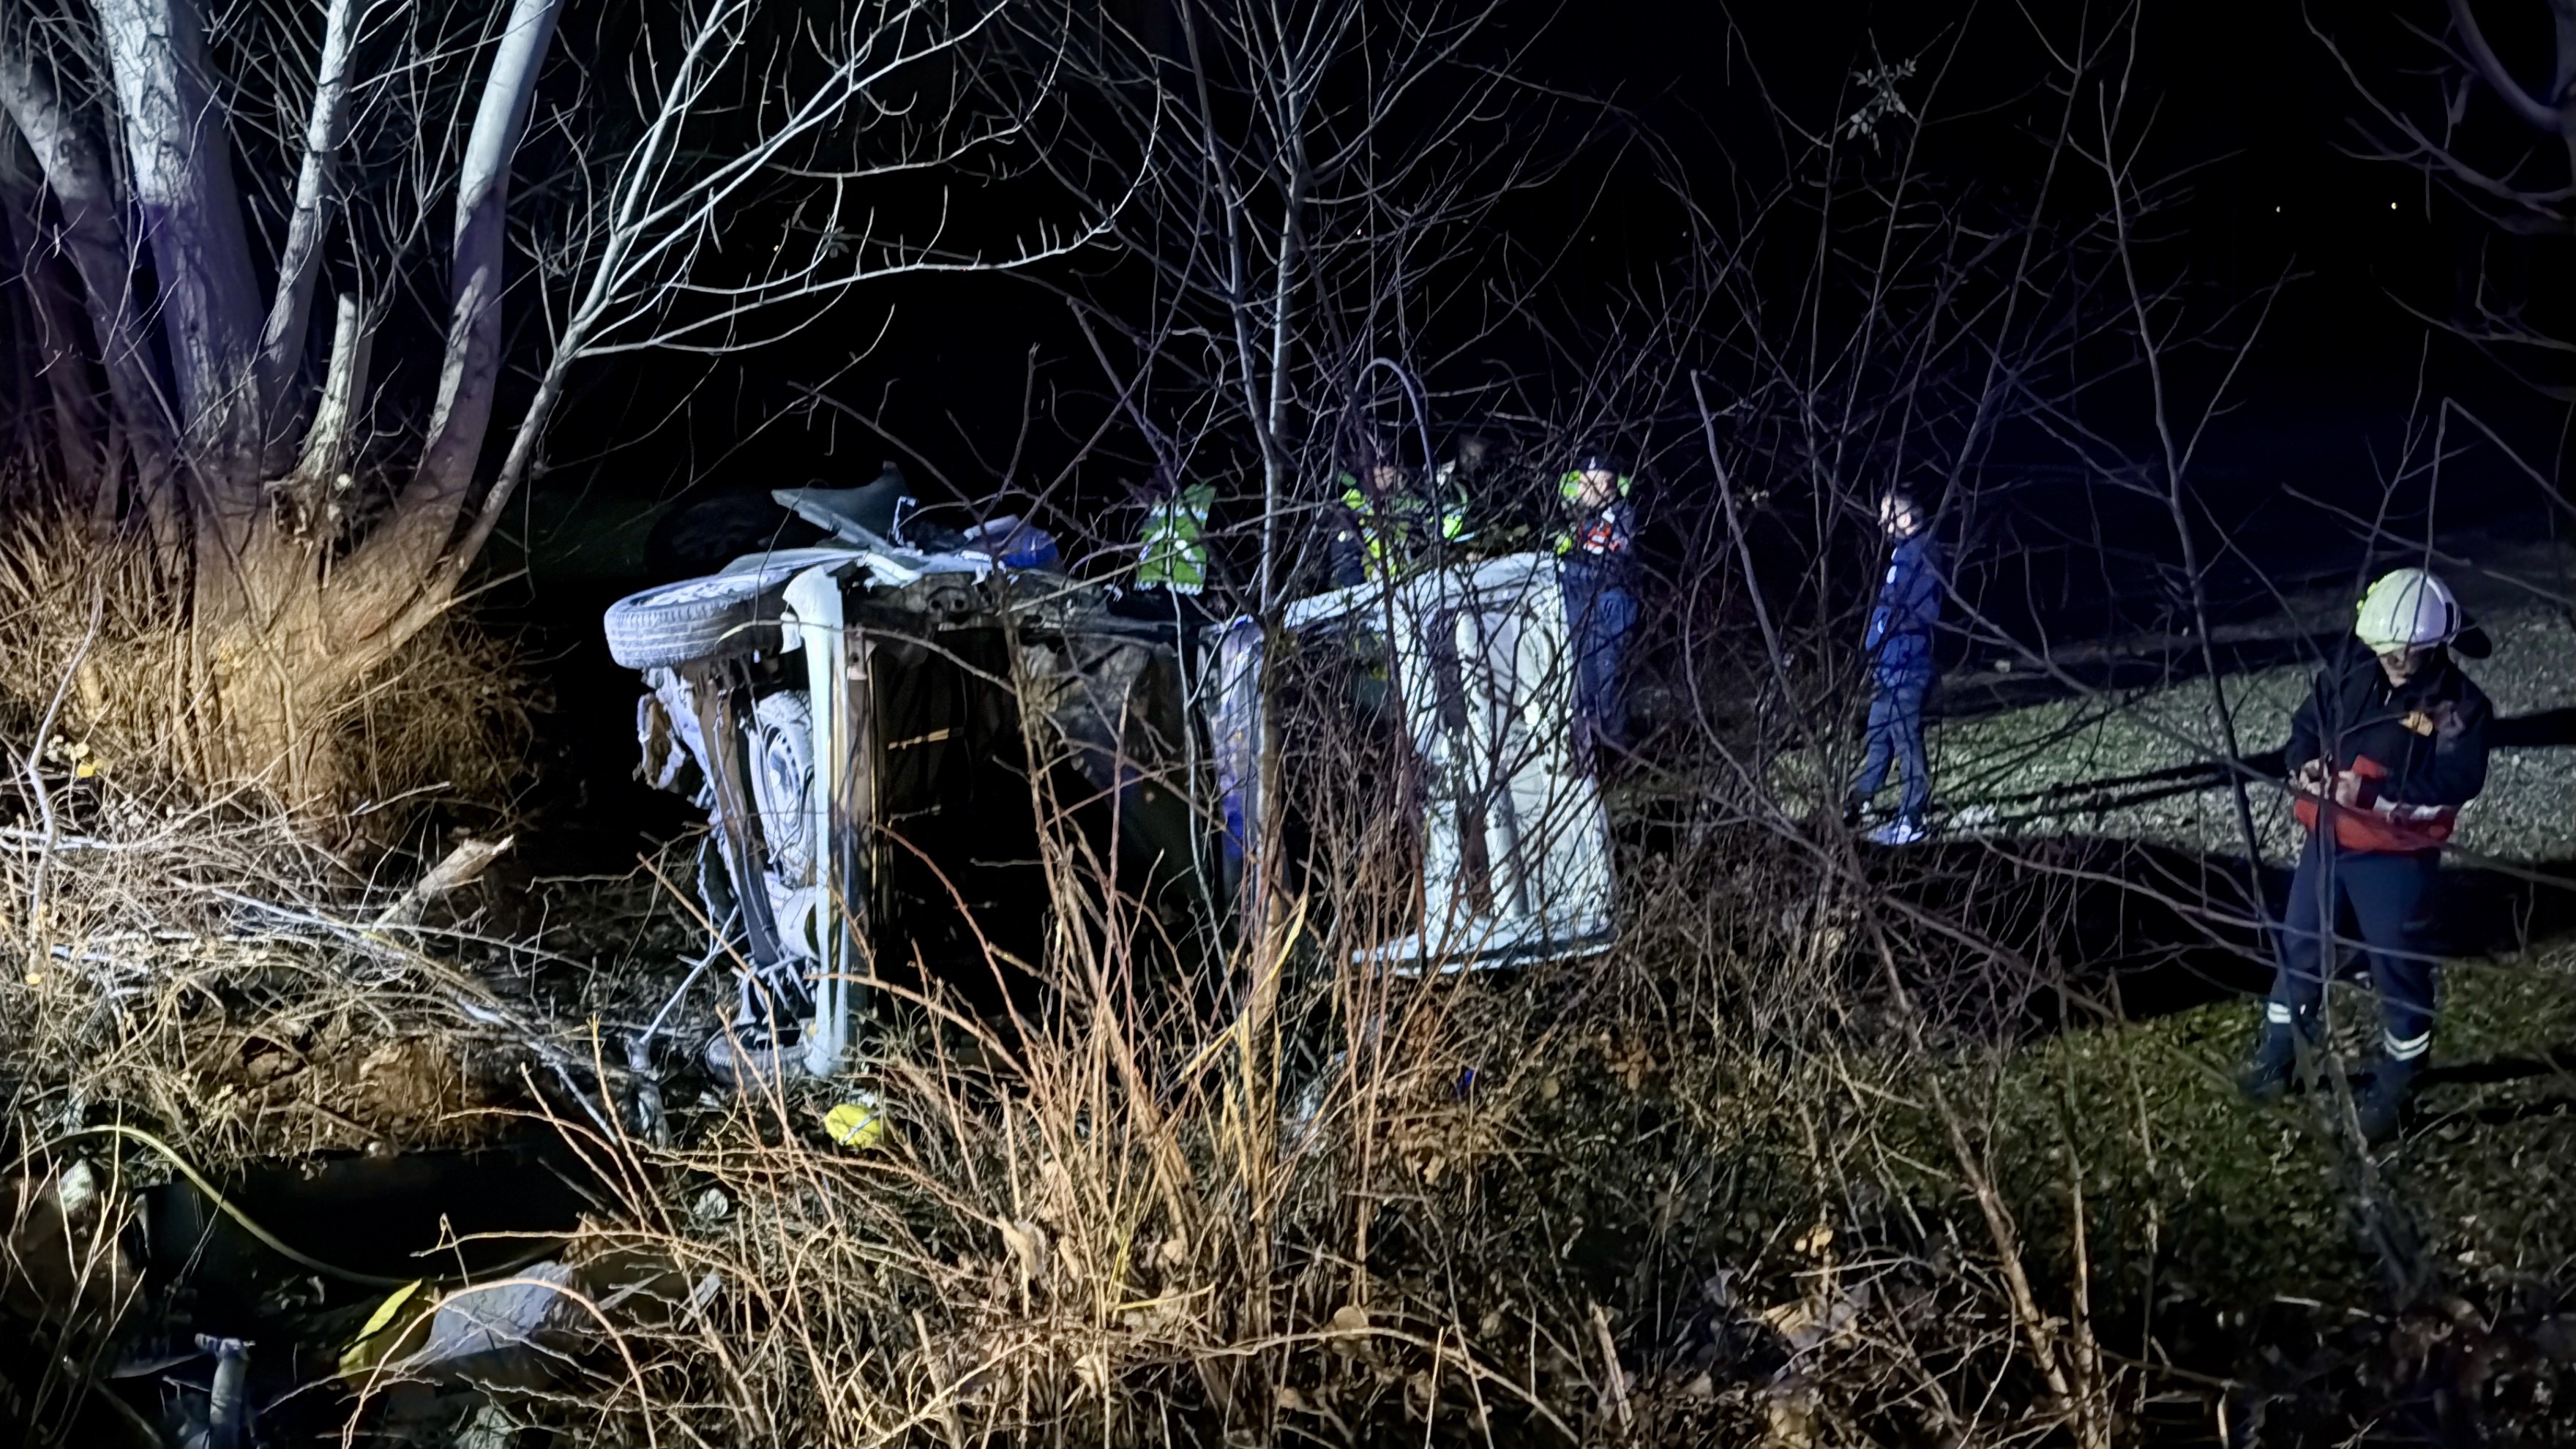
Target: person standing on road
x: 1899, y: 645
x: 1593, y: 552
x: 2389, y: 744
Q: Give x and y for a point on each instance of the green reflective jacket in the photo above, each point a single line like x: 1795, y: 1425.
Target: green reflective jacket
x: 1173, y: 553
x: 1387, y: 528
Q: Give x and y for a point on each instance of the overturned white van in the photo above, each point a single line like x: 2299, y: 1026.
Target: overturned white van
x: 861, y: 721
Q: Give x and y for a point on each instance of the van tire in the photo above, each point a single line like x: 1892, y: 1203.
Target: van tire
x: 720, y: 616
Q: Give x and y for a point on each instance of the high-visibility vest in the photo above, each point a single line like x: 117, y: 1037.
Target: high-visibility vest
x: 1386, y: 525
x: 1173, y: 553
x: 1605, y: 531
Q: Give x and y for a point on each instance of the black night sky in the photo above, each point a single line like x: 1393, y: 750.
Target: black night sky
x: 2251, y: 110
x: 2252, y: 114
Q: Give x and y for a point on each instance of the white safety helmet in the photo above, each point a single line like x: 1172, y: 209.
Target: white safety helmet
x: 2407, y: 609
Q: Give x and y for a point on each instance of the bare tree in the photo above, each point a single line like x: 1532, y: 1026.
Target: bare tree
x: 2454, y: 149
x: 1312, y: 187
x: 2510, y: 158
x: 709, y: 179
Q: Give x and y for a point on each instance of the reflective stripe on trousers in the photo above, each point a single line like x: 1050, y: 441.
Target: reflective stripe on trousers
x: 2385, y: 893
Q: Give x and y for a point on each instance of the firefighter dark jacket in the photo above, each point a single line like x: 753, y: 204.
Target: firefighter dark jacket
x: 2420, y: 749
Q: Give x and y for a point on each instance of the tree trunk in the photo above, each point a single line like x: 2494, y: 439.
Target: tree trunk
x: 283, y: 611
x: 411, y: 544
x: 299, y: 263
x: 282, y: 624
x: 180, y: 178
x: 288, y: 637
x: 91, y: 233
x: 54, y: 320
x: 270, y: 680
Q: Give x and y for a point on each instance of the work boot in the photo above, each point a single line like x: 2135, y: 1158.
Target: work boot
x: 2380, y: 1107
x: 2273, y: 1064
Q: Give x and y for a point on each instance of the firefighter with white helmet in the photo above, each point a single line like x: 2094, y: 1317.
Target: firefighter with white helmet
x: 2389, y: 745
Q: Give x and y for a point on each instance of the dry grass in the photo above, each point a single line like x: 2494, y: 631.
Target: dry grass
x: 1788, y: 1168
x: 1691, y: 1192
x: 1646, y: 1220
x: 99, y: 643
x: 445, y: 721
x: 207, y: 970
x: 94, y: 623
x: 1246, y: 1197
x: 1723, y: 1187
x: 1821, y: 1155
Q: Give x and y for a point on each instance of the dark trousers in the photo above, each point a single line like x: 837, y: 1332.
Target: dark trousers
x: 1896, y: 737
x: 1599, y: 612
x: 2384, y: 892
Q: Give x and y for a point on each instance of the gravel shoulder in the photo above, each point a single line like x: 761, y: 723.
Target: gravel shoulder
x: 2143, y: 764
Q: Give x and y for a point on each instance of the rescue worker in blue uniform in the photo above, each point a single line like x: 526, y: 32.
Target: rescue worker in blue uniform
x: 1594, y: 551
x: 1899, y: 645
x: 2388, y: 746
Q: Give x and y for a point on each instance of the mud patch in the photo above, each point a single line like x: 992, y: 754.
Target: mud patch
x: 327, y: 1087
